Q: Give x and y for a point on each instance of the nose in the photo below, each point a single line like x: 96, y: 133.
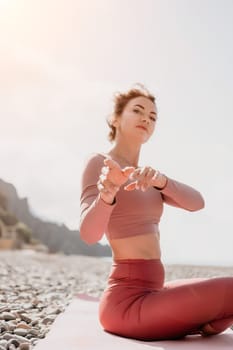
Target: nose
x: 145, y: 119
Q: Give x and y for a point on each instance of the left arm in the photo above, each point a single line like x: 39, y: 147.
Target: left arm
x: 173, y: 192
x: 182, y: 196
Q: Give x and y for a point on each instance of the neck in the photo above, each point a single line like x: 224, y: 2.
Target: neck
x: 126, y: 153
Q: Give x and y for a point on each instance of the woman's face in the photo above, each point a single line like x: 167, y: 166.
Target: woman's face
x: 137, y: 121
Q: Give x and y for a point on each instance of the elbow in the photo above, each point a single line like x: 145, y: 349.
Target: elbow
x: 88, y: 237
x: 200, y: 204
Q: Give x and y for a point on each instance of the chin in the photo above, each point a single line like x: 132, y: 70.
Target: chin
x: 141, y: 139
x: 145, y: 139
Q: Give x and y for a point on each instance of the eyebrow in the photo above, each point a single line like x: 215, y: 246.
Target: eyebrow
x: 144, y: 108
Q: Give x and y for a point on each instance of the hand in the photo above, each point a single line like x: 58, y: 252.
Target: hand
x: 146, y: 177
x: 111, y: 179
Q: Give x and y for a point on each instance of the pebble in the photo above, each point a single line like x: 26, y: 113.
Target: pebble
x: 36, y: 287
x: 21, y: 331
x: 7, y: 316
x: 25, y: 317
x: 12, y: 347
x: 24, y: 346
x: 23, y: 325
x: 15, y: 342
x: 49, y: 319
x: 3, y: 342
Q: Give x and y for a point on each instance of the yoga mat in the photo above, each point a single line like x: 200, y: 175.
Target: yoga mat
x: 78, y: 328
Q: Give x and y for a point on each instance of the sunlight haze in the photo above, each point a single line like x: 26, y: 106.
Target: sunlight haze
x: 60, y: 64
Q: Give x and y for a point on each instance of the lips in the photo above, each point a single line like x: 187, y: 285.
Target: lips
x: 141, y: 127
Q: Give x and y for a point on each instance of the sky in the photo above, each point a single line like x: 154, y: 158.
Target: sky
x: 60, y: 64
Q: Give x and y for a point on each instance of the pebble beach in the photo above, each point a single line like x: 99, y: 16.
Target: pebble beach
x: 37, y: 287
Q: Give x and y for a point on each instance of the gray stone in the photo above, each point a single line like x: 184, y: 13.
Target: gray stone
x: 7, y: 316
x: 3, y: 299
x: 13, y: 341
x: 4, y: 326
x: 34, y: 341
x: 42, y: 335
x: 27, y: 306
x: 11, y: 347
x: 9, y: 336
x: 11, y: 327
x: 21, y: 331
x: 24, y: 346
x: 34, y: 332
x: 49, y: 319
x: 25, y: 318
x: 34, y: 322
x: 20, y: 310
x: 24, y: 325
x: 3, y: 342
x: 4, y: 308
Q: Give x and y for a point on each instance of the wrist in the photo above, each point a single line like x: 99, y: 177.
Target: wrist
x: 161, y: 182
x: 108, y: 198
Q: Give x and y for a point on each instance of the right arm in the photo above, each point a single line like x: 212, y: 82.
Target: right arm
x: 101, y: 180
x: 95, y: 212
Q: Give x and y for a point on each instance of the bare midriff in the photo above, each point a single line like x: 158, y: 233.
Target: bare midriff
x: 146, y: 246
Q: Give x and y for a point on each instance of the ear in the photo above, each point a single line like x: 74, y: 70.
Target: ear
x: 114, y: 121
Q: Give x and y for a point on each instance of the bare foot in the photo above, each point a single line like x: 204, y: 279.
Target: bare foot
x: 207, y: 330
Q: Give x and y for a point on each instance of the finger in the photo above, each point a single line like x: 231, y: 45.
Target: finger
x: 156, y: 174
x: 139, y: 173
x: 146, y: 181
x: 134, y: 186
x: 131, y: 186
x: 146, y: 177
x: 150, y: 172
x: 106, y: 185
x: 101, y: 187
x: 140, y: 176
x: 143, y: 172
x: 102, y: 178
x: 135, y: 173
x: 105, y: 170
x: 107, y: 190
x: 106, y: 182
x: 127, y: 171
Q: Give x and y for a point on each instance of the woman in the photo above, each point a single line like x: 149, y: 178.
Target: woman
x: 125, y: 201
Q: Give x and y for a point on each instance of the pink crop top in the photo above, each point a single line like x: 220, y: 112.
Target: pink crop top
x: 134, y: 212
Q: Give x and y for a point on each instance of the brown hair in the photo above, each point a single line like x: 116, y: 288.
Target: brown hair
x: 120, y: 101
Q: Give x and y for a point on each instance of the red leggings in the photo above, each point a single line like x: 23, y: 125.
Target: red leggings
x: 138, y: 304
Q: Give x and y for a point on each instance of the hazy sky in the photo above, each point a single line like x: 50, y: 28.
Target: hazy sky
x: 60, y: 63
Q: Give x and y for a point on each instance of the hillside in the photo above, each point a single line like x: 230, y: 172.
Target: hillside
x: 56, y: 237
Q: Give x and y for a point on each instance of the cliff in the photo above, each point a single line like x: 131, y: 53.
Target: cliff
x: 58, y: 238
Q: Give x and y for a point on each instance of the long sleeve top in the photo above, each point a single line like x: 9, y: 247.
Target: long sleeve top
x: 134, y: 212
